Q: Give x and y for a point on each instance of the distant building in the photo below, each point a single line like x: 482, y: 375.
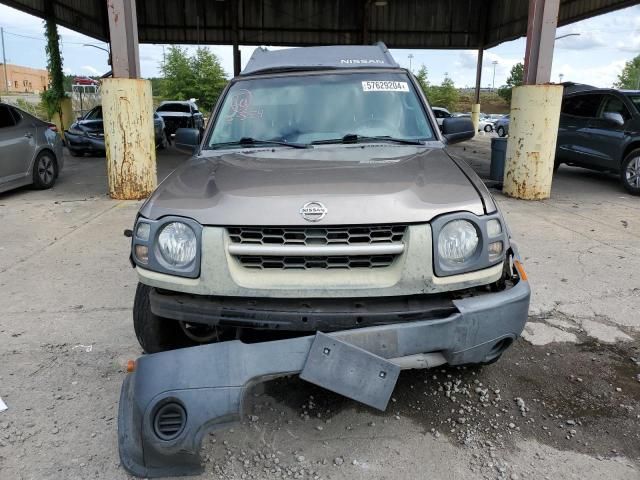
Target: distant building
x: 23, y: 79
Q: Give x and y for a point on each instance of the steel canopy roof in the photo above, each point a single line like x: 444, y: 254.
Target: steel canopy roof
x: 459, y: 24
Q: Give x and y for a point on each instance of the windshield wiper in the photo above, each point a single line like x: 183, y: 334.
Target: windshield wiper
x: 354, y: 138
x: 248, y: 141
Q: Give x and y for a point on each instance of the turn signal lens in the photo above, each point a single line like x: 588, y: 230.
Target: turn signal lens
x: 520, y: 269
x: 495, y: 249
x: 142, y: 232
x: 494, y: 228
x: 131, y: 366
x: 142, y: 253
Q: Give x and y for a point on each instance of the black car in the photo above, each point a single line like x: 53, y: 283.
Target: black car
x: 600, y: 129
x: 180, y: 114
x: 86, y: 135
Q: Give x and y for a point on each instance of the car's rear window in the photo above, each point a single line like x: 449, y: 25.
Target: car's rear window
x: 174, y: 107
x: 317, y: 107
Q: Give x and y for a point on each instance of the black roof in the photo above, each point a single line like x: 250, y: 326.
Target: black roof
x: 313, y: 58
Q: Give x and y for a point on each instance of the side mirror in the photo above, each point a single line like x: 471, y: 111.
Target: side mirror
x: 614, y: 117
x: 187, y: 139
x: 457, y: 129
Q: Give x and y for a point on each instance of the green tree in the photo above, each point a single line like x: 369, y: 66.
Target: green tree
x: 55, y: 93
x: 516, y: 78
x: 444, y: 95
x: 423, y: 78
x: 629, y: 78
x: 199, y: 76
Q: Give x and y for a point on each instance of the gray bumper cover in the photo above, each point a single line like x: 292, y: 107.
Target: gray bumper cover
x: 209, y: 381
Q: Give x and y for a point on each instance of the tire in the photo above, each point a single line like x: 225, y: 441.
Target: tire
x: 155, y: 334
x: 500, y: 131
x: 488, y: 128
x: 45, y: 170
x: 630, y: 172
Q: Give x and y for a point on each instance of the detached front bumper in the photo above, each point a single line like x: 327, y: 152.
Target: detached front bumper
x: 198, y: 389
x: 84, y: 143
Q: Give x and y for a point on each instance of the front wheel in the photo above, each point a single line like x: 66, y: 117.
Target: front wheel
x: 500, y: 131
x: 158, y: 334
x: 630, y: 172
x: 488, y: 128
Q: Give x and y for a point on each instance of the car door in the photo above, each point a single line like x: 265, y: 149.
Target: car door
x: 16, y: 145
x: 572, y: 145
x: 606, y: 132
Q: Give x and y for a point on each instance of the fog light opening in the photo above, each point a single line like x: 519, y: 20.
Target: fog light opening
x: 498, y: 349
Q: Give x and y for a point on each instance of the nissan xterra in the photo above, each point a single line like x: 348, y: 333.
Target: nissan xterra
x: 320, y: 211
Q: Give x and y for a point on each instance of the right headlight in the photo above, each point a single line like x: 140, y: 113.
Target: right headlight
x: 457, y: 242
x: 177, y: 244
x: 169, y: 245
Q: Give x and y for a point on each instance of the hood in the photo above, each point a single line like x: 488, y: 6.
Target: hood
x: 89, y: 125
x: 358, y: 184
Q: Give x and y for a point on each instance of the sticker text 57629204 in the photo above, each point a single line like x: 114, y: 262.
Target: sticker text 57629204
x: 384, y: 86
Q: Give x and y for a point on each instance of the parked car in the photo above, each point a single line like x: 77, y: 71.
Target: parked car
x: 86, y: 135
x: 600, y: 129
x: 440, y: 114
x: 501, y: 126
x: 30, y: 150
x: 180, y: 115
x: 485, y: 124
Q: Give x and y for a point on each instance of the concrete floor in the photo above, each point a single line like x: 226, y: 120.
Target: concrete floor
x: 65, y: 333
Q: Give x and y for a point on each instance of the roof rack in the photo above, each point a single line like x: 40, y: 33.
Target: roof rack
x: 314, y: 58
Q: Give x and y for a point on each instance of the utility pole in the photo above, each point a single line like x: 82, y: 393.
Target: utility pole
x: 493, y: 84
x: 410, y: 56
x: 4, y: 63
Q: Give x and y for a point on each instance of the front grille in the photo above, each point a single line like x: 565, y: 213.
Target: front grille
x: 305, y: 263
x: 357, y: 235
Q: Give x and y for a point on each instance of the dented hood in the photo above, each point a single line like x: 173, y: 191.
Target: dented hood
x: 358, y: 184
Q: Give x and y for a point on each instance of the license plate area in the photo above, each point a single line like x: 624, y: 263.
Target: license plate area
x: 350, y: 371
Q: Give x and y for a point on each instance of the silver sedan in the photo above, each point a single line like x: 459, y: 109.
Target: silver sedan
x: 30, y: 150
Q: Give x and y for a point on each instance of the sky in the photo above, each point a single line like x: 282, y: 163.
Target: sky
x: 595, y: 57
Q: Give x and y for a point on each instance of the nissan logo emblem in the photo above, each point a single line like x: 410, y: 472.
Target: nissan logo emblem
x: 313, y: 211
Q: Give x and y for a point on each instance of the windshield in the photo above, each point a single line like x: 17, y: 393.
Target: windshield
x: 316, y: 108
x: 635, y: 99
x: 174, y: 107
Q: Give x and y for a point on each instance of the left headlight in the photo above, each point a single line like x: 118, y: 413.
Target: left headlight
x: 177, y: 244
x: 458, y: 241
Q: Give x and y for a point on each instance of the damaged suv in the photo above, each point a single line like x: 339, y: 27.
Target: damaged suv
x: 322, y: 212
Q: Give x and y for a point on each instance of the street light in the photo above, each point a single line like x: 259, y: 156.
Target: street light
x: 410, y: 57
x: 568, y: 35
x: 99, y: 48
x: 493, y: 84
x: 561, y: 75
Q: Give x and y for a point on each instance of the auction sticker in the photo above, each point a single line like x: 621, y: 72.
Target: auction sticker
x: 384, y: 86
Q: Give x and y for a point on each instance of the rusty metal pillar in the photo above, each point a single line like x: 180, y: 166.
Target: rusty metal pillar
x: 127, y: 110
x: 535, y: 111
x: 475, y: 108
x: 235, y: 35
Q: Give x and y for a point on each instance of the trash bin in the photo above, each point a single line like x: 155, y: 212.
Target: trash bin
x: 498, y: 157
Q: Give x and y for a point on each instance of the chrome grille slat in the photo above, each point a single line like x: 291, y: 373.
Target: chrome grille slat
x: 304, y: 248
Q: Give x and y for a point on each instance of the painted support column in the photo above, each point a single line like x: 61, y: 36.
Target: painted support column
x: 127, y: 110
x: 535, y: 111
x: 531, y: 149
x: 475, y: 108
x: 129, y: 139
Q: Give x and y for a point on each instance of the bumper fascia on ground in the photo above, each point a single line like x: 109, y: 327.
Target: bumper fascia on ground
x: 213, y: 397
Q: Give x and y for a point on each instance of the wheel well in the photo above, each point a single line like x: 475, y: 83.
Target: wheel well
x: 629, y: 149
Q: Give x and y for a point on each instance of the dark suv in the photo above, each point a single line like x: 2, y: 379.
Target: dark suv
x: 600, y: 130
